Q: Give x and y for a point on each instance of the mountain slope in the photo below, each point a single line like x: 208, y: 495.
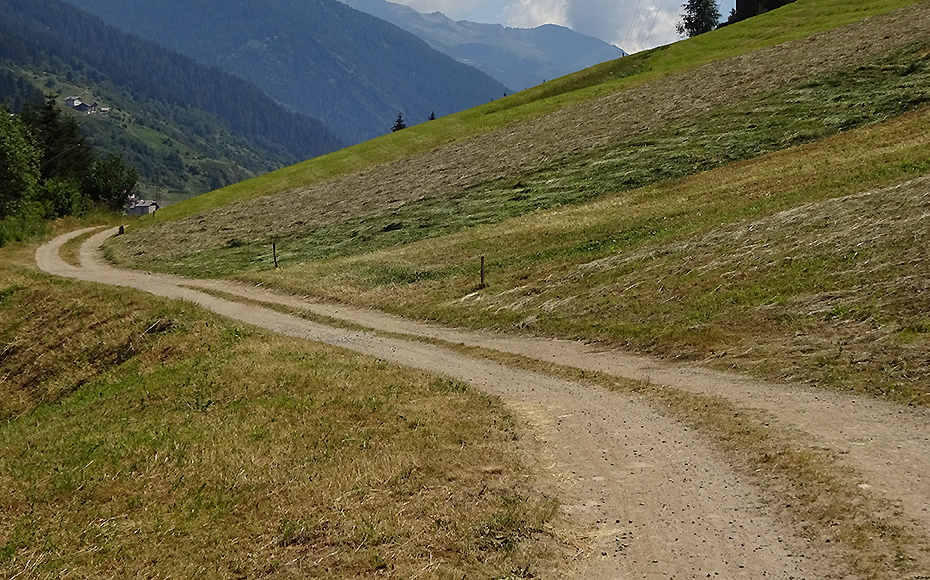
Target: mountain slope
x: 320, y: 57
x: 405, y: 236
x: 517, y: 57
x: 184, y: 126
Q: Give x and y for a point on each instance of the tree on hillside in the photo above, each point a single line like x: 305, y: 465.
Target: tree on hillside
x: 399, y: 124
x: 19, y: 165
x: 66, y: 154
x: 110, y: 183
x: 698, y: 17
x: 47, y: 169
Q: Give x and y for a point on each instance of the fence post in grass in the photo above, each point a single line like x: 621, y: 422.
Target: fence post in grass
x: 483, y: 285
x: 274, y: 252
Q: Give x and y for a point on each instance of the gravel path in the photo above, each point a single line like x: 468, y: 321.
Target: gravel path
x: 656, y: 499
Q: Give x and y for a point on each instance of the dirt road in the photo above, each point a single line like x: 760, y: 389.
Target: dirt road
x: 657, y: 500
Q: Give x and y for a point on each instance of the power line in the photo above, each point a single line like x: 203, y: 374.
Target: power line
x: 653, y: 27
x: 633, y: 23
x: 669, y: 37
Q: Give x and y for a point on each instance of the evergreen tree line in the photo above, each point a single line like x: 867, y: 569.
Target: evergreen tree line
x: 15, y: 91
x: 47, y: 171
x: 51, y: 34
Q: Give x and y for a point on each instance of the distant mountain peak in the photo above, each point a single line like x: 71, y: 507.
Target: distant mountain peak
x: 352, y: 70
x: 517, y: 57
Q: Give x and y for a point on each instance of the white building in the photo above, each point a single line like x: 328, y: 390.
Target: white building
x: 137, y: 206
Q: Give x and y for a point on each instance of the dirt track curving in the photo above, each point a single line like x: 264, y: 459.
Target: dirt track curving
x: 656, y: 499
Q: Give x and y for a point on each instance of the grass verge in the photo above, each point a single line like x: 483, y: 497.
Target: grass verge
x: 145, y: 437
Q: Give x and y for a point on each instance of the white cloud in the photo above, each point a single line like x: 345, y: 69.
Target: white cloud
x: 533, y: 13
x: 490, y: 11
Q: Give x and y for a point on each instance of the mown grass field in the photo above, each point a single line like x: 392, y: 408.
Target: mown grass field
x: 797, y: 20
x: 792, y: 265
x: 795, y: 115
x: 144, y: 437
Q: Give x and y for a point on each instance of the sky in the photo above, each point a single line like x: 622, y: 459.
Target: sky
x: 633, y: 25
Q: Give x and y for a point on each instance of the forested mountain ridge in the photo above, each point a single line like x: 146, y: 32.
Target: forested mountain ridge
x: 321, y: 57
x: 186, y: 127
x: 518, y: 57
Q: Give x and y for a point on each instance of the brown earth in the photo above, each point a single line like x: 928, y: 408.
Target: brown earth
x: 653, y: 497
x: 524, y: 146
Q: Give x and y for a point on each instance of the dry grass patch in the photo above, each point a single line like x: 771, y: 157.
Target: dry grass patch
x: 143, y: 437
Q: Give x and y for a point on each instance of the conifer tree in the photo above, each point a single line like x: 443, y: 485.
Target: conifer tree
x: 399, y: 124
x: 19, y: 165
x: 698, y: 17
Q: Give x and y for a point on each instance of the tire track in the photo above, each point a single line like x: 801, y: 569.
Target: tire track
x: 656, y: 500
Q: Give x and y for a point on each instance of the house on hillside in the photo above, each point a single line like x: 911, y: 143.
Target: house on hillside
x: 85, y: 108
x: 78, y: 105
x: 136, y: 206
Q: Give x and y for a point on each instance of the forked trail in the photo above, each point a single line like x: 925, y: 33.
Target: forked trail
x: 658, y: 499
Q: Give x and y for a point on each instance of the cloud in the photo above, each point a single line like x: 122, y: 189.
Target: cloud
x: 632, y: 25
x: 490, y: 11
x: 533, y: 13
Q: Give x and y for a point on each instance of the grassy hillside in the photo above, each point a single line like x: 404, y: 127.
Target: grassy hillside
x: 798, y: 20
x: 803, y: 264
x: 143, y: 437
x: 748, y: 225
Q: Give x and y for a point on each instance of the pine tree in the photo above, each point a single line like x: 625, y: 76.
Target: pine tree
x: 399, y: 124
x: 698, y: 17
x: 58, y: 135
